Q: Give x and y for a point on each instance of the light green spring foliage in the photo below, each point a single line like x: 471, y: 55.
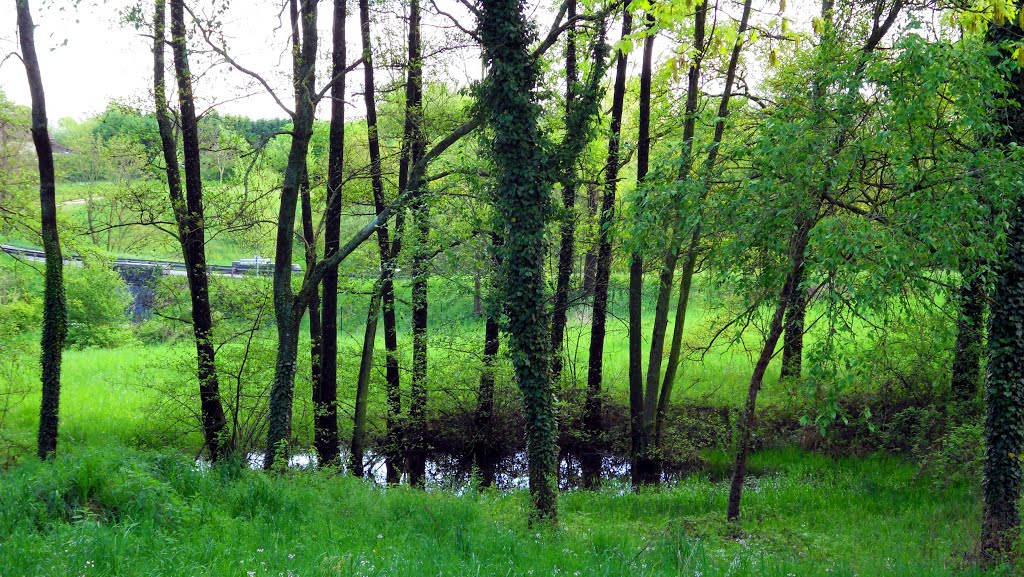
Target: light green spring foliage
x: 121, y: 512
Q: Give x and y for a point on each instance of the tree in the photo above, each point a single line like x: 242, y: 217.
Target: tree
x: 582, y: 108
x: 388, y: 257
x: 636, y: 270
x: 509, y: 102
x: 188, y: 214
x: 592, y: 426
x: 288, y: 307
x: 1004, y: 388
x: 325, y: 391
x: 54, y: 307
x: 837, y: 111
x: 657, y: 392
x: 414, y: 144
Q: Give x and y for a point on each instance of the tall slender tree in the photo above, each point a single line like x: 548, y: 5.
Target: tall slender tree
x: 567, y: 248
x: 325, y: 391
x: 656, y: 394
x: 582, y: 108
x: 414, y: 145
x: 636, y: 270
x: 289, y: 307
x: 358, y: 446
x: 191, y: 223
x: 388, y: 255
x: 592, y: 421
x: 54, y: 306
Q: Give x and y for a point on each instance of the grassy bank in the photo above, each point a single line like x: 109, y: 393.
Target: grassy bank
x: 119, y: 512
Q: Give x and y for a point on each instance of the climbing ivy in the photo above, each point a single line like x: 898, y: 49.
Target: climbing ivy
x: 522, y: 186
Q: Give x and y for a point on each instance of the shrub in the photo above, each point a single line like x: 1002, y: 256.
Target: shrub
x: 98, y: 302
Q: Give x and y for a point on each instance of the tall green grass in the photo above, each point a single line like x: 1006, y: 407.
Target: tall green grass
x: 116, y: 511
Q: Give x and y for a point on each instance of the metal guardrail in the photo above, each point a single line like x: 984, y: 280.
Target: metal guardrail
x: 165, y: 265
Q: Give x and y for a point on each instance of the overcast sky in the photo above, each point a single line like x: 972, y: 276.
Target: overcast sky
x: 89, y: 57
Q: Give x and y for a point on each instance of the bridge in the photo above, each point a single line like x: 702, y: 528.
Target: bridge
x: 140, y: 275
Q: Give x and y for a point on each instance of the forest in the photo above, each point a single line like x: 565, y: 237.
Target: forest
x: 512, y: 287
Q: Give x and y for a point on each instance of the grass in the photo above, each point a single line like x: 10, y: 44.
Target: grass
x: 106, y: 393
x: 122, y: 512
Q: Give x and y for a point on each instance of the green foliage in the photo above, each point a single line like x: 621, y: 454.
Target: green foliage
x: 98, y: 302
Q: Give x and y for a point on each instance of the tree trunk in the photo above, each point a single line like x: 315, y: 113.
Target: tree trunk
x: 567, y: 249
x: 478, y: 302
x: 590, y: 458
x: 393, y: 440
x: 644, y: 469
x: 54, y: 306
x: 363, y: 384
x: 485, y: 446
x: 414, y: 145
x: 325, y: 391
x: 675, y: 350
x: 1004, y: 389
x: 194, y: 240
x: 522, y: 194
x: 798, y: 247
x: 590, y: 259
x: 287, y: 309
x: 970, y: 332
x: 309, y: 244
x: 793, y: 342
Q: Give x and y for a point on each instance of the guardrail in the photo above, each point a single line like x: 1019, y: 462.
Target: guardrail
x: 165, y: 265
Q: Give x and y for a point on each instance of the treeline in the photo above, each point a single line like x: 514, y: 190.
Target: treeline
x: 831, y: 180
x: 109, y: 146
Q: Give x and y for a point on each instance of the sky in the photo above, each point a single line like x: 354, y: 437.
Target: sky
x: 89, y: 56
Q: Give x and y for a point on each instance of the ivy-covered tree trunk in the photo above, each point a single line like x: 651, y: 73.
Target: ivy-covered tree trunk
x: 1004, y: 389
x: 287, y: 309
x: 388, y: 255
x: 590, y: 459
x: 325, y: 391
x: 793, y: 341
x: 508, y: 101
x: 970, y: 333
x: 54, y: 306
x: 567, y: 249
x: 193, y: 240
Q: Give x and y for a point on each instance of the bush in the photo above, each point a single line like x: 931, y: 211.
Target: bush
x: 98, y: 302
x: 959, y: 456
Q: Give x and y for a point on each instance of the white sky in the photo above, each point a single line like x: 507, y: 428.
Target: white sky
x: 89, y: 57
